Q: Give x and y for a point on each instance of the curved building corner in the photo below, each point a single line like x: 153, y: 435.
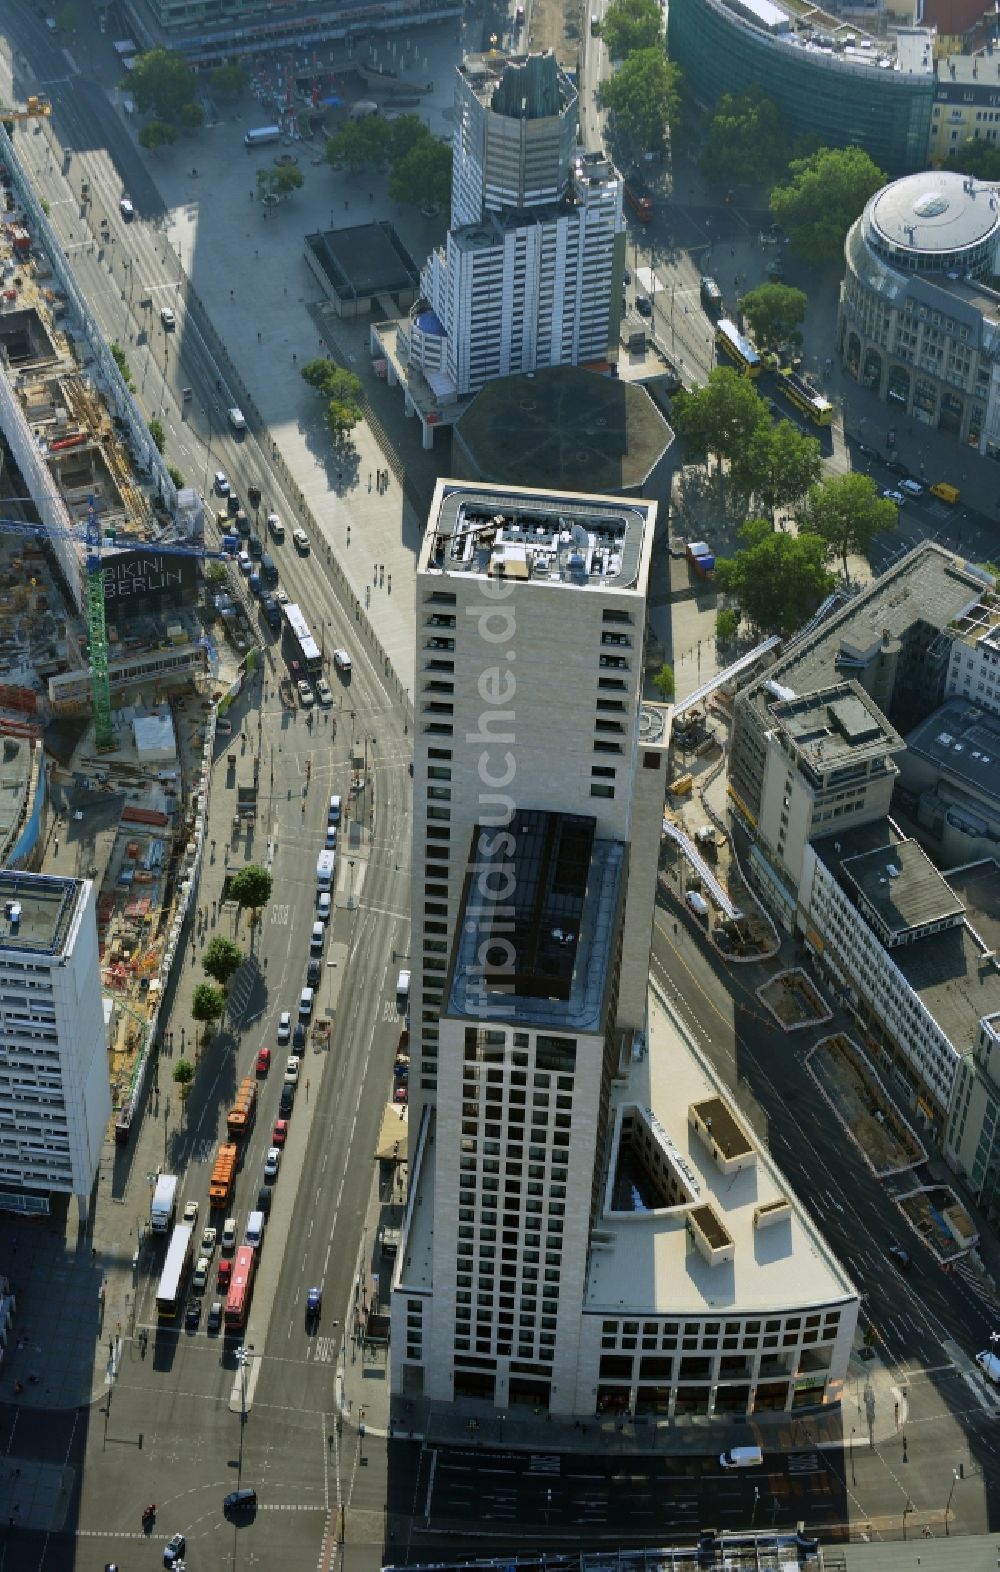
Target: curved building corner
x: 828, y: 79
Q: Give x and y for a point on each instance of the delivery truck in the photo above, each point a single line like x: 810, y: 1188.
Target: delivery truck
x: 164, y: 1207
x: 700, y: 558
x: 260, y: 135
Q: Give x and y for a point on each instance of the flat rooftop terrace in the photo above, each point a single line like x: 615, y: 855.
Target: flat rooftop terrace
x: 836, y: 726
x: 648, y: 1265
x: 36, y: 912
x: 900, y: 887
x: 537, y: 536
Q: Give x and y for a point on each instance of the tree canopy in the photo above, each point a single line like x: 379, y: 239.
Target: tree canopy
x: 162, y: 82
x: 207, y: 1002
x: 825, y: 193
x: 643, y: 95
x: 251, y: 887
x: 745, y: 144
x: 361, y: 143
x: 274, y: 184
x: 847, y: 512
x: 777, y: 579
x: 775, y: 313
x: 157, y: 133
x: 221, y: 959
x: 631, y: 25
x: 422, y: 176
x: 977, y: 158
x: 229, y: 81
x: 665, y: 683
x: 777, y: 465
x: 182, y: 1076
x: 722, y: 416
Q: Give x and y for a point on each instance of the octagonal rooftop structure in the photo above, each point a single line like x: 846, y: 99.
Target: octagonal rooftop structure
x: 564, y: 428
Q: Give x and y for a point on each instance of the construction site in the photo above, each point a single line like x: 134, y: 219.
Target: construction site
x: 110, y: 674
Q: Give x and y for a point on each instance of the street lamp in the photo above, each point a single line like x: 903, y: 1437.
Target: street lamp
x: 756, y: 1500
x: 853, y: 1479
x: 908, y: 1508
x: 955, y: 1476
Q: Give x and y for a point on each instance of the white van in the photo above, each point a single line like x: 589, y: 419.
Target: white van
x: 333, y: 812
x: 325, y: 864
x: 402, y: 990
x: 318, y: 939
x: 306, y: 1000
x: 255, y: 1229
x: 742, y: 1457
x: 697, y: 903
x: 913, y: 488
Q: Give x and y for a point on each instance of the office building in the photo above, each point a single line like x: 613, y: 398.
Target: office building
x: 833, y: 83
x: 919, y: 320
x: 583, y: 1232
x: 217, y: 30
x: 966, y: 100
x: 530, y: 273
x: 55, y: 1102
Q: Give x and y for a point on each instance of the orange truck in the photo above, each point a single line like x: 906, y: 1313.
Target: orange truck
x: 239, y: 1119
x: 220, y: 1189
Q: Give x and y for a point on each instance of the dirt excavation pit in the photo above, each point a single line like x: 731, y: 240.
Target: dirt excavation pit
x: 794, y: 1001
x: 558, y: 25
x: 863, y: 1107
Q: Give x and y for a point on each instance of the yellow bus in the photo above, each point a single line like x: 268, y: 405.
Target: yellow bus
x: 737, y: 347
x: 811, y: 403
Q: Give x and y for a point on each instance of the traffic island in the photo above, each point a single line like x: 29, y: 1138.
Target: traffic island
x: 794, y: 1001
x: 862, y: 1106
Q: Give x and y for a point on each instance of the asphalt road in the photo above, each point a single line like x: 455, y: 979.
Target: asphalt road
x: 172, y: 1429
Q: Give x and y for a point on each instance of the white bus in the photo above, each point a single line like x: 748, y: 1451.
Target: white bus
x: 305, y: 648
x: 175, y: 1272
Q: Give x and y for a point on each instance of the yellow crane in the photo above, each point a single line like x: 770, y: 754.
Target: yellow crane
x: 38, y: 107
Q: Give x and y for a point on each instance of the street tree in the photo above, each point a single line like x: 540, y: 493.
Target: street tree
x: 251, y: 888
x: 398, y: 136
x: 121, y: 361
x: 722, y: 416
x: 746, y: 143
x: 777, y: 465
x: 192, y: 115
x: 979, y: 159
x: 727, y: 622
x: 644, y: 96
x: 823, y: 196
x: 216, y: 575
x: 158, y: 434
x: 335, y: 384
x: 341, y: 417
x: 665, y: 683
x: 177, y: 477
x: 221, y: 959
x: 422, y: 176
x: 361, y: 144
x: 275, y: 185
x: 207, y: 1003
x: 156, y: 134
x: 631, y: 25
x: 847, y: 512
x: 775, y: 313
x: 162, y: 82
x: 182, y: 1076
x: 229, y: 81
x: 776, y: 579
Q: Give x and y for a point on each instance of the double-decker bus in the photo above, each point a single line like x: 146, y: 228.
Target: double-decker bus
x: 240, y: 1289
x: 176, y: 1269
x: 305, y: 648
x: 737, y: 347
x: 811, y: 403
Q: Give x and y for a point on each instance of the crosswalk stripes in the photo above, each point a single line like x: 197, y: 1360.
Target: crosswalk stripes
x: 804, y: 1463
x: 544, y: 1463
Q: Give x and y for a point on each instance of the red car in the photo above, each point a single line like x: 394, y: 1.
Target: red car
x: 401, y: 1095
x: 225, y: 1273
x: 263, y: 1061
x: 279, y: 1134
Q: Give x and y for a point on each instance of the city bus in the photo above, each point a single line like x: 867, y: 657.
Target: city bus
x: 240, y: 1289
x: 811, y: 403
x: 737, y: 347
x: 306, y: 650
x: 711, y: 297
x: 176, y: 1269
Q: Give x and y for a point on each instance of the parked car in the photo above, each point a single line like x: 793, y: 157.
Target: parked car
x: 331, y: 837
x: 323, y: 907
x: 292, y: 1070
x: 284, y: 1025
x: 272, y: 1163
x: 264, y: 1200
x: 299, y: 1038
x: 314, y: 973
x: 279, y: 1135
x: 263, y: 1061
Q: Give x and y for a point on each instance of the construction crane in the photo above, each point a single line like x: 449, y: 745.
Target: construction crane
x: 37, y: 107
x: 97, y: 630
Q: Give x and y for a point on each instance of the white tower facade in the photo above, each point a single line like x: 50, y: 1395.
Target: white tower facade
x: 55, y: 1100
